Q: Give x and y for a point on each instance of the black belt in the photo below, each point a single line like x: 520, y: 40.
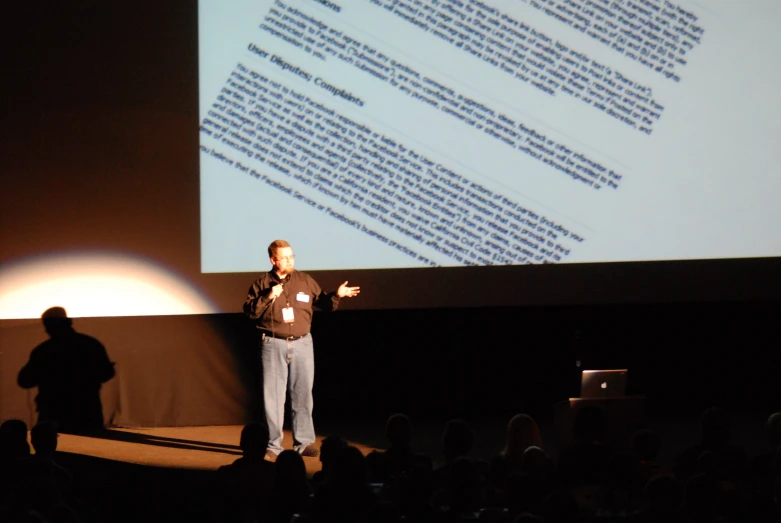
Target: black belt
x: 281, y: 336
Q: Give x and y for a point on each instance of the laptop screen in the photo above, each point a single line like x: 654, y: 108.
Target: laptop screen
x: 603, y: 383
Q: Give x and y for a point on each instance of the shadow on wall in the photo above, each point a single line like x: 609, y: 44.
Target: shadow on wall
x: 69, y: 369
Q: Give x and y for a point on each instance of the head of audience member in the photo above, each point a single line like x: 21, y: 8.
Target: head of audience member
x: 537, y: 464
x: 646, y: 444
x: 350, y: 467
x: 522, y: 433
x: 457, y: 439
x: 590, y: 425
x: 13, y: 439
x: 44, y: 439
x: 254, y: 440
x: 329, y: 450
x: 715, y: 428
x: 398, y: 430
x: 290, y: 473
x: 56, y: 322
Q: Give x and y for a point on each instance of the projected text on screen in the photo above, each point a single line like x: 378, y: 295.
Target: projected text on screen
x: 463, y: 132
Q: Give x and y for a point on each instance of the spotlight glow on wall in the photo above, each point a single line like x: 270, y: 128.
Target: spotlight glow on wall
x: 95, y: 284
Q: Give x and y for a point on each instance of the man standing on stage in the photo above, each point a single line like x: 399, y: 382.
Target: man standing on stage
x: 281, y: 302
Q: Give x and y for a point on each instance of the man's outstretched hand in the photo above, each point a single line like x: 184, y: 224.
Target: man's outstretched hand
x: 347, y: 292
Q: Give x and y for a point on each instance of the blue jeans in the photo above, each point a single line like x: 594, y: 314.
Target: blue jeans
x: 288, y: 365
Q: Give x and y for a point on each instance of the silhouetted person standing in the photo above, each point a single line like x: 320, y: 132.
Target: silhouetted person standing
x: 68, y: 369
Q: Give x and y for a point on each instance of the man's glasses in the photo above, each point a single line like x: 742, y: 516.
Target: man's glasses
x: 285, y: 258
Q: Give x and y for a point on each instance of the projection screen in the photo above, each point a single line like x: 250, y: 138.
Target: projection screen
x: 446, y: 153
x: 463, y: 132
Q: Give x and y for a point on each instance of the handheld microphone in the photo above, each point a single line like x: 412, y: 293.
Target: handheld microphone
x: 274, y: 284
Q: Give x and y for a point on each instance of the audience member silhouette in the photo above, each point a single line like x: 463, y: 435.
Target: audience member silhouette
x: 522, y: 433
x: 584, y: 464
x: 13, y: 440
x: 290, y: 492
x: 457, y: 441
x: 44, y: 438
x: 728, y: 460
x: 13, y: 450
x: 536, y: 463
x: 400, y: 455
x: 415, y: 493
x: 68, y: 369
x: 346, y: 496
x: 591, y: 483
x: 41, y: 487
x: 378, y: 469
x: 329, y: 449
x: 248, y: 480
x: 253, y: 489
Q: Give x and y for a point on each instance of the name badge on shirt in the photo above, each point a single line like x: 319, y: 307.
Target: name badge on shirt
x: 302, y: 297
x: 287, y: 314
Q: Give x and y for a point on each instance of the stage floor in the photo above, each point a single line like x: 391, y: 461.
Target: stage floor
x: 205, y: 448
x: 209, y: 447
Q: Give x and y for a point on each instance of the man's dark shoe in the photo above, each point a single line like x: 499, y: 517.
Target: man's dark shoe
x: 310, y: 451
x: 270, y: 456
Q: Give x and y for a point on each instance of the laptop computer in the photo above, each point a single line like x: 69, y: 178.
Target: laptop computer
x: 603, y: 383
